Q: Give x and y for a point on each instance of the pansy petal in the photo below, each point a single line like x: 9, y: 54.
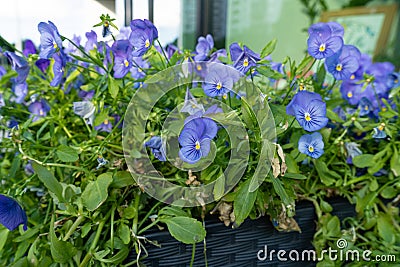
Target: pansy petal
x: 11, y: 213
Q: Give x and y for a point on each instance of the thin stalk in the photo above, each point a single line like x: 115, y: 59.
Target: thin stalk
x: 165, y: 55
x: 193, y: 253
x: 71, y: 230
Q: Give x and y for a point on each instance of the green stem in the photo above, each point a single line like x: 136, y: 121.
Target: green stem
x: 71, y: 230
x: 193, y: 253
x: 136, y: 218
x: 165, y: 55
x: 148, y: 227
x: 148, y: 214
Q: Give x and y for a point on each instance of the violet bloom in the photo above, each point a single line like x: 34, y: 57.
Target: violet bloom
x: 2, y: 71
x: 29, y: 48
x: 50, y: 40
x: 353, y: 91
x: 105, y: 126
x: 71, y: 49
x: 344, y: 63
x: 122, y: 58
x: 11, y: 213
x: 42, y: 64
x: 58, y: 69
x: 139, y: 67
x: 86, y: 95
x: 324, y: 40
x: 379, y: 132
x: 214, y: 57
x: 142, y: 36
x: 365, y: 106
x: 39, y: 109
x: 124, y: 33
x: 352, y: 151
x: 195, y: 139
x: 243, y: 59
x: 91, y: 42
x: 86, y: 110
x: 190, y: 105
x: 203, y: 47
x: 20, y: 91
x: 156, y: 145
x: 170, y: 50
x: 219, y: 80
x: 311, y: 145
x: 309, y: 110
x: 18, y: 64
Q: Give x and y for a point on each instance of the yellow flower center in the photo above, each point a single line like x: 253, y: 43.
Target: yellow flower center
x: 105, y: 122
x: 225, y: 96
x: 396, y: 81
x: 381, y: 127
x: 245, y: 62
x: 384, y: 109
x: 352, y: 77
x: 219, y: 85
x: 41, y: 113
x: 126, y: 63
x: 106, y: 24
x: 311, y: 149
x: 366, y: 108
x: 147, y: 43
x: 198, y: 67
x: 55, y: 45
x: 322, y: 48
x: 197, y: 145
x: 339, y: 67
x: 307, y: 116
x: 349, y: 94
x: 302, y: 87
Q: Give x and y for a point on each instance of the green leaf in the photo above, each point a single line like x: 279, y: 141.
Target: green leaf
x: 113, y: 87
x: 122, y: 179
x: 268, y: 49
x: 172, y: 211
x: 295, y: 176
x: 333, y: 116
x: 327, y: 176
x: 3, y: 236
x: 48, y: 179
x: 244, y: 202
x: 61, y: 251
x: 248, y: 116
x: 100, y: 118
x: 124, y: 233
x: 385, y: 228
x: 186, y: 230
x: 364, y: 160
x: 395, y: 162
x: 96, y: 192
x: 219, y: 187
x: 67, y: 154
x: 280, y: 190
x: 333, y: 226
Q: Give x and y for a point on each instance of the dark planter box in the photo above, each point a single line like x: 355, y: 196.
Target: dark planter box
x: 227, y: 247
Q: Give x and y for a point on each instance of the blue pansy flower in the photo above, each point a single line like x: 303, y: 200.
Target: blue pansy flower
x: 86, y: 110
x: 50, y: 40
x: 365, y: 106
x: 105, y: 126
x: 379, y: 132
x: 309, y: 110
x: 91, y: 42
x: 243, y: 59
x: 311, y: 145
x: 122, y: 58
x: 20, y: 91
x: 195, y: 139
x: 190, y: 105
x: 203, y: 47
x: 58, y: 69
x: 219, y: 80
x: 142, y: 36
x: 324, y: 40
x: 156, y: 145
x: 352, y: 151
x: 39, y: 109
x: 343, y: 63
x: 18, y: 64
x: 42, y: 64
x: 29, y: 48
x: 11, y: 213
x: 139, y: 65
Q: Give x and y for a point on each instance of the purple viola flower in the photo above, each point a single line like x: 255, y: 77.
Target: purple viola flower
x: 214, y: 57
x: 379, y: 132
x: 352, y: 151
x: 156, y: 145
x: 324, y: 40
x: 86, y: 95
x: 42, y: 64
x: 170, y: 50
x: 219, y: 80
x: 71, y: 49
x: 353, y: 91
x: 50, y: 40
x: 309, y: 110
x: 20, y: 91
x: 190, y: 105
x: 204, y: 47
x: 86, y: 110
x: 122, y: 58
x: 18, y: 64
x: 365, y: 106
x: 39, y: 109
x: 311, y: 145
x: 195, y: 139
x: 142, y: 36
x: 139, y: 67
x: 124, y: 33
x: 105, y: 126
x: 2, y: 71
x: 58, y: 69
x: 29, y: 48
x: 11, y: 213
x: 243, y: 59
x: 91, y: 42
x: 344, y: 63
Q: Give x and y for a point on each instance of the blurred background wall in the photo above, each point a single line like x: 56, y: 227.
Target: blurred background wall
x: 253, y: 22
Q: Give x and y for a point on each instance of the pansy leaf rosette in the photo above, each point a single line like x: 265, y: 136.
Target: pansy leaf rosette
x: 196, y: 131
